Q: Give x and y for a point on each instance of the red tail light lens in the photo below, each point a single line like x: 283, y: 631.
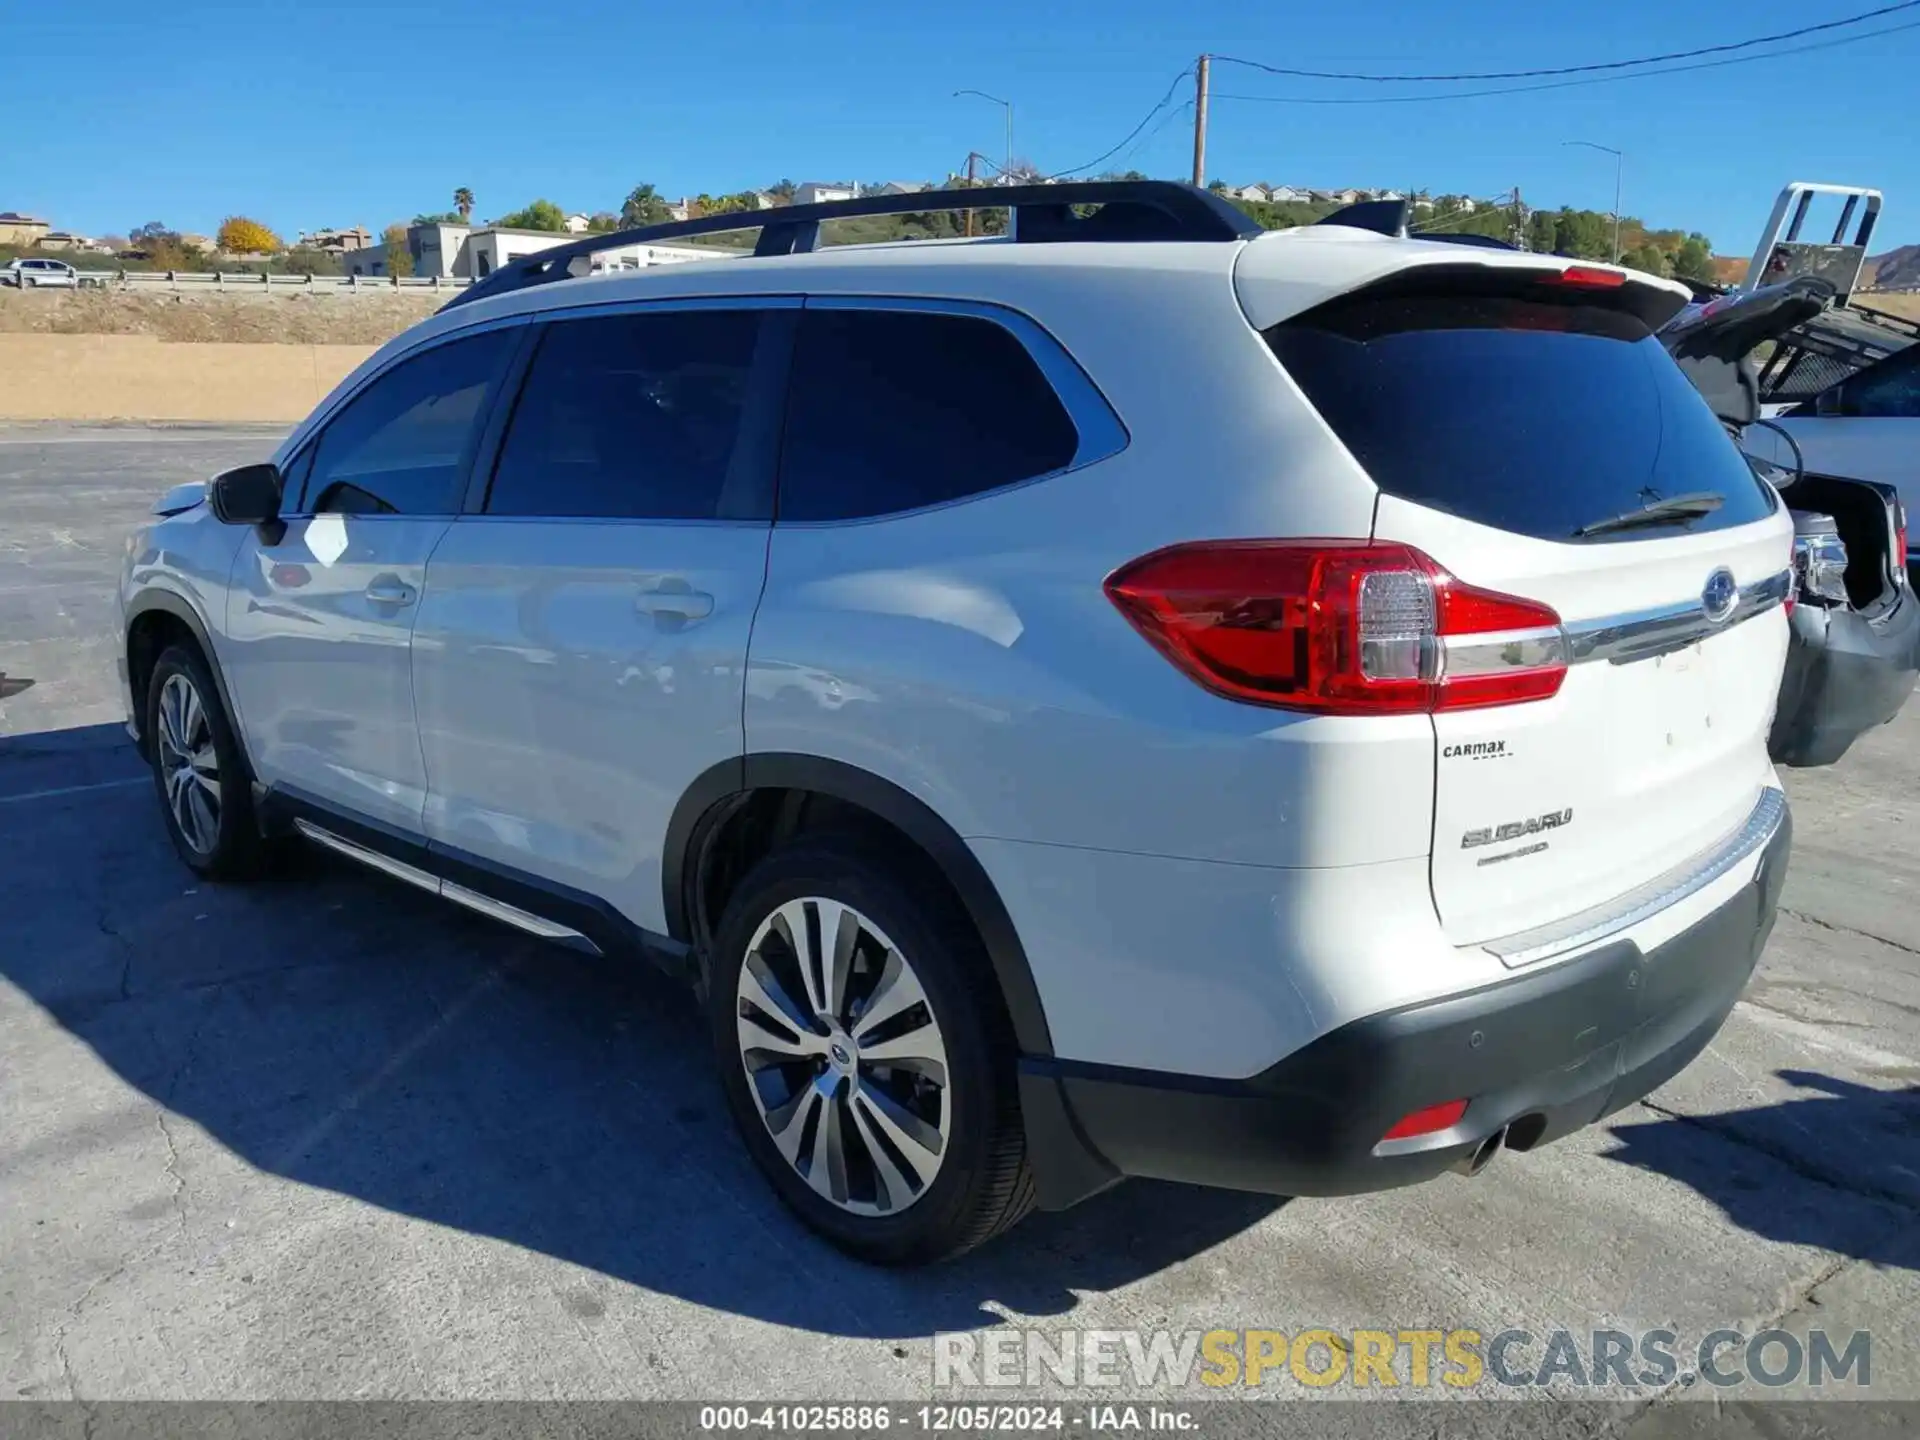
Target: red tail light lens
x: 1428, y: 1121
x: 1592, y: 277
x: 1345, y: 627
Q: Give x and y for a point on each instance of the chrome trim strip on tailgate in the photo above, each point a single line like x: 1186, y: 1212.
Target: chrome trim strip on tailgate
x: 1643, y: 634
x: 1641, y: 903
x: 1618, y: 639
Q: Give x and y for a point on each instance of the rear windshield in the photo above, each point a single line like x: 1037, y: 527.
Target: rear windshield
x: 1536, y: 415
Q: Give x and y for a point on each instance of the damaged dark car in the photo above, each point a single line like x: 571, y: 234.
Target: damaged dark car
x: 1855, y: 648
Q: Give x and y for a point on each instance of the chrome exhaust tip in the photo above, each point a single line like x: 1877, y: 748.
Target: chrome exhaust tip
x: 1484, y: 1152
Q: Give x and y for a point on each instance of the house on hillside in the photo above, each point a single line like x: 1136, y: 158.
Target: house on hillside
x: 18, y: 229
x: 820, y: 192
x: 902, y: 187
x: 577, y: 224
x: 450, y: 251
x: 337, y: 242
x: 1334, y: 197
x: 67, y: 240
x: 681, y: 209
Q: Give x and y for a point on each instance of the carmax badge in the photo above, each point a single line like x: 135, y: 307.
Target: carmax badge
x: 1516, y: 829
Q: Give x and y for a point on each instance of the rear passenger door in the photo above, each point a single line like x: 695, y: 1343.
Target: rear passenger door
x: 581, y: 649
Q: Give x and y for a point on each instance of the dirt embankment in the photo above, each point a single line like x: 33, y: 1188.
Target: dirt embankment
x: 239, y: 318
x: 120, y: 355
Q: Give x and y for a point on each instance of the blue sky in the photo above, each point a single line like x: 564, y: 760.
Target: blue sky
x: 357, y: 113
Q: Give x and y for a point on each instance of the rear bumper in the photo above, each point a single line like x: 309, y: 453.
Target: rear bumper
x: 1539, y: 1055
x: 1845, y: 675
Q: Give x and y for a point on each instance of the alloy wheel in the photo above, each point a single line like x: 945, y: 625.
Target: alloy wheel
x: 844, y: 1056
x: 189, y: 766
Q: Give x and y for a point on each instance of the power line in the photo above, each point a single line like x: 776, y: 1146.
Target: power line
x: 1183, y: 108
x: 1580, y: 69
x: 1463, y: 217
x: 1185, y: 74
x: 1566, y: 84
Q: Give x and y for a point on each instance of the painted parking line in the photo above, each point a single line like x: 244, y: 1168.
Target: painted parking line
x: 75, y: 790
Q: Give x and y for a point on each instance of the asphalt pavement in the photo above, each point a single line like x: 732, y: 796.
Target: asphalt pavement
x: 323, y: 1137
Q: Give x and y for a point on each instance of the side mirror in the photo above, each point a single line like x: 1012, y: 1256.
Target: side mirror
x: 248, y: 495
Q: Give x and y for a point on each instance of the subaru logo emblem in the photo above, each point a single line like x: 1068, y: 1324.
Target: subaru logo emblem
x: 1720, y: 596
x: 839, y: 1053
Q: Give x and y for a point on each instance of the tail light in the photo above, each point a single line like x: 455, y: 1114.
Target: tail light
x: 1343, y: 627
x: 1899, y: 539
x: 1590, y: 277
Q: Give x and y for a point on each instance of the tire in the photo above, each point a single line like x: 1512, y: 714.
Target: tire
x: 926, y: 1167
x: 199, y: 772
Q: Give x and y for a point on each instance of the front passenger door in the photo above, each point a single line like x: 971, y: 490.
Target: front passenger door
x: 321, y: 619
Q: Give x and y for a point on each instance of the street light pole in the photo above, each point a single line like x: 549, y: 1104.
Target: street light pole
x: 1619, y: 163
x: 1006, y: 105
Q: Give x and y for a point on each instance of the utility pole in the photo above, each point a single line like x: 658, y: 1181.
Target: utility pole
x: 1200, y: 120
x: 1006, y: 171
x: 972, y: 159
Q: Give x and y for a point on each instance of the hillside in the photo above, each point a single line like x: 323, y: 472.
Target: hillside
x: 285, y: 319
x: 1897, y: 269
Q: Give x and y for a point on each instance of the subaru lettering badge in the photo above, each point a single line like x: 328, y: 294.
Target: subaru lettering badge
x: 1720, y: 596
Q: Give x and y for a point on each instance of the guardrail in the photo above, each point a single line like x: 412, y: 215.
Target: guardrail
x: 257, y: 283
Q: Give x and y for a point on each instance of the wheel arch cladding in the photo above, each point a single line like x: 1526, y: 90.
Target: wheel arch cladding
x: 156, y: 619
x: 716, y: 797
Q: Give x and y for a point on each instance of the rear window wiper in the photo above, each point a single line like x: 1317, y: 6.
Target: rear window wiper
x: 1676, y: 510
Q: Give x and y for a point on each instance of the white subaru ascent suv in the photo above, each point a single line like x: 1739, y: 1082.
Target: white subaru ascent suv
x: 1135, y: 696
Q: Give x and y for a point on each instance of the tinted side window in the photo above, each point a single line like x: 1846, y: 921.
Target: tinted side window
x: 1535, y: 415
x: 401, y: 446
x: 1890, y: 390
x: 633, y: 417
x: 892, y: 410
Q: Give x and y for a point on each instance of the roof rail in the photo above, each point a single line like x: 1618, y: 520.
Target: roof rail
x: 1130, y: 210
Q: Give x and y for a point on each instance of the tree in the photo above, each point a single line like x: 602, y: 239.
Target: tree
x: 1694, y: 259
x: 1541, y: 237
x: 540, y: 215
x: 239, y: 235
x: 602, y: 222
x: 1649, y: 258
x: 1583, y: 234
x: 399, y: 257
x: 152, y: 230
x: 463, y: 203
x: 643, y: 207
x: 441, y: 217
x: 782, y: 191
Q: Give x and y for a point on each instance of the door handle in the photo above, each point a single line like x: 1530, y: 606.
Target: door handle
x: 389, y: 591
x: 686, y: 604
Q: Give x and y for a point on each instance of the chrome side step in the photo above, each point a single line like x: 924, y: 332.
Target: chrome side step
x: 460, y: 895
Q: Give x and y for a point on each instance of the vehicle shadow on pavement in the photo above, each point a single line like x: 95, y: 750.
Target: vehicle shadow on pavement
x: 1842, y: 1134
x: 346, y: 1032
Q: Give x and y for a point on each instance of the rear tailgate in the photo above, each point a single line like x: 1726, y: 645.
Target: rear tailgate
x: 1503, y: 412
